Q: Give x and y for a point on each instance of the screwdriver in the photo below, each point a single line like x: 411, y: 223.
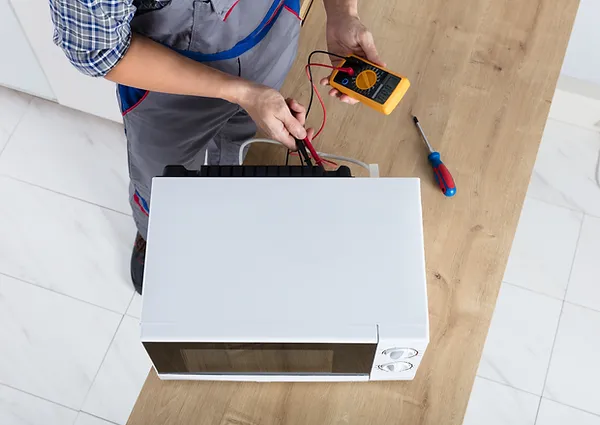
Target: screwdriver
x: 440, y: 172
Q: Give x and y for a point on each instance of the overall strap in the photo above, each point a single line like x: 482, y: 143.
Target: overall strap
x: 252, y: 39
x: 131, y: 97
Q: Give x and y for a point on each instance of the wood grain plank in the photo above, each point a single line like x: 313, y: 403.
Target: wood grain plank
x: 483, y: 74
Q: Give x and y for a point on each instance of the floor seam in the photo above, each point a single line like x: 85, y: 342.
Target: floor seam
x: 10, y: 135
x: 572, y: 407
x: 60, y: 293
x: 534, y: 198
x: 562, y: 307
x: 37, y: 396
x: 130, y: 302
x: 516, y: 285
x: 102, y: 362
x: 597, y: 130
x: 582, y: 306
x: 64, y: 194
x: 99, y: 417
x: 508, y: 385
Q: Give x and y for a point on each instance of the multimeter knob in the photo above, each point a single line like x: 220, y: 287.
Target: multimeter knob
x: 366, y: 79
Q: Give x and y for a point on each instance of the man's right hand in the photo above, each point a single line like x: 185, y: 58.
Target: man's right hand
x: 282, y: 120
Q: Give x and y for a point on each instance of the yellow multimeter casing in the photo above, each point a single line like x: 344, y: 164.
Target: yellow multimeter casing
x: 370, y: 84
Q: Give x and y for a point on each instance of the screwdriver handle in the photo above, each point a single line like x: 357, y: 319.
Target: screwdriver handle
x: 442, y: 175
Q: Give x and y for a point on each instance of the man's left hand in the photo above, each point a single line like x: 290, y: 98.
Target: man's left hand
x: 347, y: 35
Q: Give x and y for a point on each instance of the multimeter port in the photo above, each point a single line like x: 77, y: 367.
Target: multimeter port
x: 371, y: 82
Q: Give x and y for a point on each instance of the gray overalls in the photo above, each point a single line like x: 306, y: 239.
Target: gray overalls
x: 253, y: 39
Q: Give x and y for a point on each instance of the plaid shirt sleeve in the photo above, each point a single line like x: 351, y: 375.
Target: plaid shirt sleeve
x: 94, y: 34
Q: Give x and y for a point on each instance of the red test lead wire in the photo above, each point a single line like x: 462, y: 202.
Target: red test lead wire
x: 307, y: 142
x: 325, y: 161
x: 347, y: 70
x: 313, y: 152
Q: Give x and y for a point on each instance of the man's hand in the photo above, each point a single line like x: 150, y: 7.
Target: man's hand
x: 347, y: 35
x: 281, y: 119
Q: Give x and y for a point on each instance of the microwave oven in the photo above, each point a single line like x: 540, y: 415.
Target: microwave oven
x: 285, y: 279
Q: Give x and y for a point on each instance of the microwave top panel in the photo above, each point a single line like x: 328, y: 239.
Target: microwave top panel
x: 235, y: 255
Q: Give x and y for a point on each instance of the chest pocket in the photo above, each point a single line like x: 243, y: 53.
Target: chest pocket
x: 205, y: 26
x: 169, y: 23
x: 144, y: 6
x: 223, y: 8
x: 219, y: 25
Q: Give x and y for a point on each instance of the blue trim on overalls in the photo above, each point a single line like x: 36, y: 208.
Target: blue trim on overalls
x: 131, y: 97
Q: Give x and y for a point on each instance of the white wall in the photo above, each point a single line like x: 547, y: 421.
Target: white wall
x: 71, y: 88
x: 583, y: 54
x: 19, y: 69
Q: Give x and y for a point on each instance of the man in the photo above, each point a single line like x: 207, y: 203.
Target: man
x: 196, y: 76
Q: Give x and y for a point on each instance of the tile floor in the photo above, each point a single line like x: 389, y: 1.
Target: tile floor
x: 539, y: 364
x: 65, y: 293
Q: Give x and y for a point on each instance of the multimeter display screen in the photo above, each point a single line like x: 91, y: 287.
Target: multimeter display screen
x: 369, y: 81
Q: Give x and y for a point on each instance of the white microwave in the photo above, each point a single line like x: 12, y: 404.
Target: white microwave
x: 285, y: 279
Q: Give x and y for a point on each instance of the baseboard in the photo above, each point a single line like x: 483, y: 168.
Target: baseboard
x: 577, y: 86
x: 577, y: 102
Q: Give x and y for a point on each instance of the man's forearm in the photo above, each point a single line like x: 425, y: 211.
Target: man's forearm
x: 333, y: 7
x: 150, y: 66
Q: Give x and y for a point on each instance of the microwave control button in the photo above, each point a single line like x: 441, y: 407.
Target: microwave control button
x: 400, y: 353
x: 396, y: 367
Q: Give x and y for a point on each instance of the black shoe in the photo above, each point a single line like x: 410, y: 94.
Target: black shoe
x: 138, y: 257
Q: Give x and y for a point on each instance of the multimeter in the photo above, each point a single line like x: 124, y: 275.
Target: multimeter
x: 370, y: 84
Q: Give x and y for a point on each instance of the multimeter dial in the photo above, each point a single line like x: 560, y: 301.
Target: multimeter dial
x: 368, y: 80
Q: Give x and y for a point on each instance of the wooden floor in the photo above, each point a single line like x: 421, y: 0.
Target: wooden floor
x: 483, y: 73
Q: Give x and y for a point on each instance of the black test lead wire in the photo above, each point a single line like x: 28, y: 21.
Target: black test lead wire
x: 312, y: 89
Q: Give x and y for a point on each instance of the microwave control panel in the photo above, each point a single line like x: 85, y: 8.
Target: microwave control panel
x: 396, y: 363
x: 399, y: 359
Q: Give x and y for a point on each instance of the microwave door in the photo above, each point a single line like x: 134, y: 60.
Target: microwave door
x: 291, y: 357
x: 257, y: 358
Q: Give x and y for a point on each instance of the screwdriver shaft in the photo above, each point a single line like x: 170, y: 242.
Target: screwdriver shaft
x: 418, y: 124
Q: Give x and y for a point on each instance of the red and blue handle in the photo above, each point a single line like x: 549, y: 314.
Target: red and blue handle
x: 442, y: 175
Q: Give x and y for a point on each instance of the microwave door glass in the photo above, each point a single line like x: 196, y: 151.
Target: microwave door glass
x: 259, y: 358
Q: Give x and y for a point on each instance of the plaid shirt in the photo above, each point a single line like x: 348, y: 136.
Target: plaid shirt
x: 94, y: 34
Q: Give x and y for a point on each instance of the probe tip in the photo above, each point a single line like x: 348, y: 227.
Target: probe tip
x: 415, y: 119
